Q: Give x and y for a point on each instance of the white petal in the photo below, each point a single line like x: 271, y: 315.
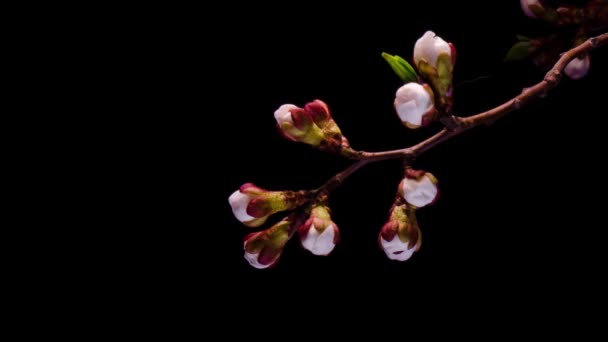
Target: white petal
x: 578, y: 67
x: 419, y: 193
x: 283, y: 114
x: 421, y: 46
x: 526, y: 9
x: 409, y: 112
x: 252, y: 258
x: 319, y: 243
x: 429, y: 47
x: 239, y: 202
x: 396, y: 249
x: 412, y: 101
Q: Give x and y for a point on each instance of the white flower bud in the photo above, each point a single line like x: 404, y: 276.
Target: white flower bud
x: 419, y: 188
x: 400, y: 237
x: 578, y: 67
x: 429, y: 47
x: 414, y: 104
x: 319, y: 242
x: 319, y: 234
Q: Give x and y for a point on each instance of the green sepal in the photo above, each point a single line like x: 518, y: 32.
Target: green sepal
x: 427, y: 70
x: 444, y: 74
x: 312, y: 135
x: 279, y: 233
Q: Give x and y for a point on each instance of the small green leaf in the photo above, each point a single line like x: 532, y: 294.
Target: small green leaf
x: 519, y: 51
x: 401, y: 67
x: 522, y: 38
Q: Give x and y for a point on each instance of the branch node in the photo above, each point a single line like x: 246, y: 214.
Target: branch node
x: 451, y: 122
x: 409, y: 157
x: 593, y: 41
x: 553, y: 77
x: 516, y: 103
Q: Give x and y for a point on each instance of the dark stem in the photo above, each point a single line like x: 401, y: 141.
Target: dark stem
x: 461, y: 124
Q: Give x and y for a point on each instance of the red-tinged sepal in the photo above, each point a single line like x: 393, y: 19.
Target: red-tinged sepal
x: 263, y: 249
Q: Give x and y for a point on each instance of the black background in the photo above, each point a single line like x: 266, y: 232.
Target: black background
x: 520, y: 213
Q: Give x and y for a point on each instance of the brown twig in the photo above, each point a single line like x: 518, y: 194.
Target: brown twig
x: 551, y: 80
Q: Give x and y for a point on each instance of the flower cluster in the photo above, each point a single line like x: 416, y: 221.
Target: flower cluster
x: 426, y: 95
x: 578, y: 21
x: 399, y: 237
x: 418, y: 103
x: 318, y: 233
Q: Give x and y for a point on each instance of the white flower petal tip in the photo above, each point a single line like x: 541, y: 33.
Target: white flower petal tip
x: 239, y: 202
x: 429, y: 47
x: 396, y: 249
x: 252, y: 259
x: 283, y: 114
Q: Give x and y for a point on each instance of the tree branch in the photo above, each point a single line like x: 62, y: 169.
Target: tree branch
x: 551, y: 80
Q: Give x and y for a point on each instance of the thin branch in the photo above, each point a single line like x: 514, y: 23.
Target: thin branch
x: 336, y: 180
x: 551, y: 80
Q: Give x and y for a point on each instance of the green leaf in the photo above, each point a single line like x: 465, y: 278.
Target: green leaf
x: 401, y: 67
x: 522, y: 38
x: 519, y: 51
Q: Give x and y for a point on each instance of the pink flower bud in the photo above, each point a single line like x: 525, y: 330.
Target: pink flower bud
x: 400, y: 237
x: 531, y: 7
x: 252, y: 205
x: 414, y: 104
x: 312, y: 125
x: 319, y: 234
x: 263, y: 249
x: 419, y: 188
x: 578, y: 67
x: 296, y: 124
x: 429, y: 47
